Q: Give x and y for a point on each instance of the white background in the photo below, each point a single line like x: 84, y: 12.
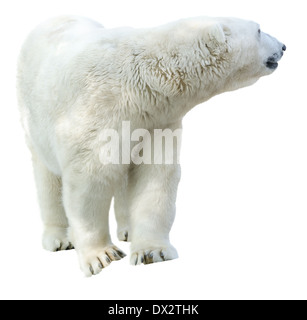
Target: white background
x: 242, y: 211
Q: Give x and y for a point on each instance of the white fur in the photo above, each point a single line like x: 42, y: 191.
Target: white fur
x: 76, y: 78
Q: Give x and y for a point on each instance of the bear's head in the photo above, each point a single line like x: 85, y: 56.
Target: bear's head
x: 248, y: 52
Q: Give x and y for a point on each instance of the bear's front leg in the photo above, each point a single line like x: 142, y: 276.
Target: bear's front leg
x: 87, y: 201
x: 152, y: 198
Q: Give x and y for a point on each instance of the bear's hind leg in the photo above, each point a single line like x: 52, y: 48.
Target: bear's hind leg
x: 122, y: 211
x: 49, y: 190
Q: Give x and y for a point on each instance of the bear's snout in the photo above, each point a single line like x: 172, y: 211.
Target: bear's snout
x: 272, y: 62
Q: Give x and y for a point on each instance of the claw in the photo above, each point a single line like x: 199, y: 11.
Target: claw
x: 100, y: 265
x: 91, y: 270
x: 121, y: 254
x: 148, y: 258
x: 116, y: 255
x: 59, y: 248
x: 162, y: 255
x: 126, y: 236
x: 108, y: 258
x: 70, y: 247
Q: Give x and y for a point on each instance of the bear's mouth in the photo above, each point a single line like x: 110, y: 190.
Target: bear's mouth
x: 272, y: 62
x: 272, y: 65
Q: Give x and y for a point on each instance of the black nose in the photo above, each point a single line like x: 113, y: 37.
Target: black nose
x: 284, y: 48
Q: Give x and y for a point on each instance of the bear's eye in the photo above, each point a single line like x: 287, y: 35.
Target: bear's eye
x: 259, y: 31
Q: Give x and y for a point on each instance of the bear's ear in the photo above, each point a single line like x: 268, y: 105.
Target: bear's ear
x: 214, y: 36
x: 216, y: 33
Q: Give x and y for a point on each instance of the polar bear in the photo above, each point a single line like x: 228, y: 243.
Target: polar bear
x: 76, y: 78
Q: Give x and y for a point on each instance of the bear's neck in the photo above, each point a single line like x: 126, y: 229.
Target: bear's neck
x: 166, y: 82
